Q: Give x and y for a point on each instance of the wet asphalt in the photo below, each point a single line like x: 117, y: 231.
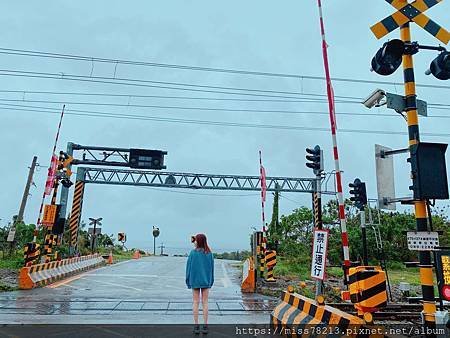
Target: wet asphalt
x: 150, y: 290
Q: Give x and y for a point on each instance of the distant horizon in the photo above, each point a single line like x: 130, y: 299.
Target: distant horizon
x: 173, y: 250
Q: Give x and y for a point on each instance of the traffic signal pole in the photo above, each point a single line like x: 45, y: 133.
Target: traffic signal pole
x: 317, y: 208
x: 362, y: 214
x: 425, y: 265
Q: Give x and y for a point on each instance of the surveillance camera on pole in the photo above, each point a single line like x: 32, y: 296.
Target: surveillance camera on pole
x: 374, y: 99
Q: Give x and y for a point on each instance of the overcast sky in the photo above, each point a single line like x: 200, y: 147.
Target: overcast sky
x: 267, y: 36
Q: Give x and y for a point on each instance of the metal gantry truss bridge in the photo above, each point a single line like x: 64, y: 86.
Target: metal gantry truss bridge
x: 193, y: 181
x: 119, y: 157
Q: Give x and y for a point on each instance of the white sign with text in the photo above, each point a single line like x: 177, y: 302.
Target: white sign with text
x: 319, y: 254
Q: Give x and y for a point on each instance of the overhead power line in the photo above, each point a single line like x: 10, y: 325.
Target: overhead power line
x: 86, y: 113
x: 141, y: 83
x: 259, y: 111
x: 34, y: 53
x: 159, y: 84
x: 315, y: 98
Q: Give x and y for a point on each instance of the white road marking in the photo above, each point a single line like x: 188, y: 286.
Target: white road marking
x: 74, y: 278
x: 225, y: 280
x: 64, y: 281
x: 113, y: 284
x: 123, y: 275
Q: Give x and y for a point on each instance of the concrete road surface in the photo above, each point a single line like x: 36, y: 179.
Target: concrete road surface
x: 150, y: 290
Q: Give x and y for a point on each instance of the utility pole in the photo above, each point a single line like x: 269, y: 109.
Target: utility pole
x: 162, y: 246
x: 26, y: 192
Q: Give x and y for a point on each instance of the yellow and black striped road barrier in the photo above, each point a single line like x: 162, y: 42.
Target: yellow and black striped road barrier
x: 31, y: 253
x: 75, y: 217
x: 49, y: 243
x: 271, y: 261
x: 296, y: 312
x: 367, y: 286
x: 261, y: 262
x: 46, y: 273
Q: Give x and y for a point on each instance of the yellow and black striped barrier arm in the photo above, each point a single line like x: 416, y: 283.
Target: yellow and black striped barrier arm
x: 75, y: 217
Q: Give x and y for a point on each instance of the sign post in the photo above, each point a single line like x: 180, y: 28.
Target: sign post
x: 94, y: 222
x: 319, y: 254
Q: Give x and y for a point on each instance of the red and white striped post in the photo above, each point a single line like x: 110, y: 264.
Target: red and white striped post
x: 46, y: 191
x: 262, y: 173
x: 331, y: 108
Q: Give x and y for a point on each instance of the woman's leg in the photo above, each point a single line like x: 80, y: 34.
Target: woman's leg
x: 205, y: 294
x: 195, y: 301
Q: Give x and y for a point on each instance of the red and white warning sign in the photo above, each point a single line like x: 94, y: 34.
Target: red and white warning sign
x: 319, y: 254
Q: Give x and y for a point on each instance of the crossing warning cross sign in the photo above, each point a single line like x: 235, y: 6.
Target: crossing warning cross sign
x: 411, y: 12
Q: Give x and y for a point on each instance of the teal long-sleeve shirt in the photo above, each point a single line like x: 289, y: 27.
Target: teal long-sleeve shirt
x: 199, y: 270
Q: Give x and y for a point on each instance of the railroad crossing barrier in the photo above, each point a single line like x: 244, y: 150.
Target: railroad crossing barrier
x: 46, y: 273
x: 248, y: 276
x: 31, y: 253
x: 271, y: 261
x: 295, y: 311
x: 367, y: 286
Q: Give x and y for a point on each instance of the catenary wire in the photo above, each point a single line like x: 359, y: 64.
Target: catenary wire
x: 85, y: 113
x: 34, y: 53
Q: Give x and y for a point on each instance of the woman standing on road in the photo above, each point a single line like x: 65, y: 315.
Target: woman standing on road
x: 200, y: 278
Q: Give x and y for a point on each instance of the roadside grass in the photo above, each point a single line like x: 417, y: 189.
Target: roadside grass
x: 409, y: 275
x: 299, y: 269
x: 15, y: 261
x: 118, y: 255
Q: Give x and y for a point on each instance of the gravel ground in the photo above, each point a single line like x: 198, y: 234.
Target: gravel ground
x: 333, y: 287
x: 8, y: 279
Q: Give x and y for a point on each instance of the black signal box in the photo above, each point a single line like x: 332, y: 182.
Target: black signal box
x: 429, y: 171
x: 147, y: 159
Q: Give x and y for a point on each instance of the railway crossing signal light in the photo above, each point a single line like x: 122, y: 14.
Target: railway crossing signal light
x: 429, y: 171
x: 440, y: 66
x: 359, y: 193
x: 147, y: 159
x: 64, y: 162
x: 389, y: 57
x: 316, y: 159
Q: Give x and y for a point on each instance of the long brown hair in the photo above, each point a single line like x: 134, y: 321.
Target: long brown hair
x: 201, y: 242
